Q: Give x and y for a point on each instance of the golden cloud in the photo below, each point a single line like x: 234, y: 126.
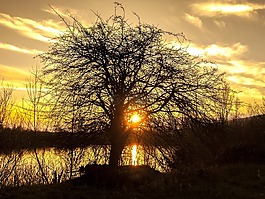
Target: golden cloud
x: 18, y: 49
x: 255, y: 69
x: 245, y: 76
x: 13, y: 75
x: 217, y: 51
x: 236, y: 49
x: 214, y: 9
x: 246, y: 81
x: 41, y: 31
x: 196, y: 21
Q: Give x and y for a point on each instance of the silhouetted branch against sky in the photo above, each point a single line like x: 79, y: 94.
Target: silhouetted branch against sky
x: 113, y: 67
x: 214, y: 29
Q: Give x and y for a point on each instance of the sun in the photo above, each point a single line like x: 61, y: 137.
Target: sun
x: 135, y: 118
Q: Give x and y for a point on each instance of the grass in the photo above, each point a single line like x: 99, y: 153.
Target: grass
x: 229, y: 181
x: 241, y: 180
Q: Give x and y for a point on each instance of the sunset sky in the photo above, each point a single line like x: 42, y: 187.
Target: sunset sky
x: 230, y: 33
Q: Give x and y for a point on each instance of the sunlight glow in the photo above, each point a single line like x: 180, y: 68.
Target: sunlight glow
x: 134, y: 155
x: 135, y: 118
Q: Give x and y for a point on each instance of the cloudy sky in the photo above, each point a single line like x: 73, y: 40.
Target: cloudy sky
x: 230, y: 33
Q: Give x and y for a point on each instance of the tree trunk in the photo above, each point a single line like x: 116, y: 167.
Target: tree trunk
x: 118, y: 137
x: 115, y: 154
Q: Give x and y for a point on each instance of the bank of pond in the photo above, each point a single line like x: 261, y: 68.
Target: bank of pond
x: 230, y: 181
x: 48, y: 165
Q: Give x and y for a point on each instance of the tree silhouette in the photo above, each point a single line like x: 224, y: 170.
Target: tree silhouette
x: 6, y: 103
x: 116, y: 69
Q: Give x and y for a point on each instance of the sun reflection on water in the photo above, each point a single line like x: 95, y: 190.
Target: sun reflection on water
x: 134, y: 155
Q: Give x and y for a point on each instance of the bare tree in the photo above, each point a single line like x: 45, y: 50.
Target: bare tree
x: 35, y: 109
x: 119, y: 69
x: 6, y: 103
x: 36, y: 105
x: 226, y: 105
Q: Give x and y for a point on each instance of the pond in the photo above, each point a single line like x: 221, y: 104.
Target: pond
x: 49, y: 165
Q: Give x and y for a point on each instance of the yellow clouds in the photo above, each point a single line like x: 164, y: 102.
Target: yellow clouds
x: 214, y: 9
x: 41, y: 31
x: 246, y: 81
x: 13, y: 75
x: 233, y: 41
x: 18, y: 49
x: 248, y: 77
x: 245, y: 76
x: 199, y: 11
x: 16, y: 78
x: 217, y: 51
x: 248, y: 69
x: 196, y: 21
x: 218, y: 8
x: 230, y: 51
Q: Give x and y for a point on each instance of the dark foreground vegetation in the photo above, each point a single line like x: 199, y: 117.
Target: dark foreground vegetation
x: 238, y: 180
